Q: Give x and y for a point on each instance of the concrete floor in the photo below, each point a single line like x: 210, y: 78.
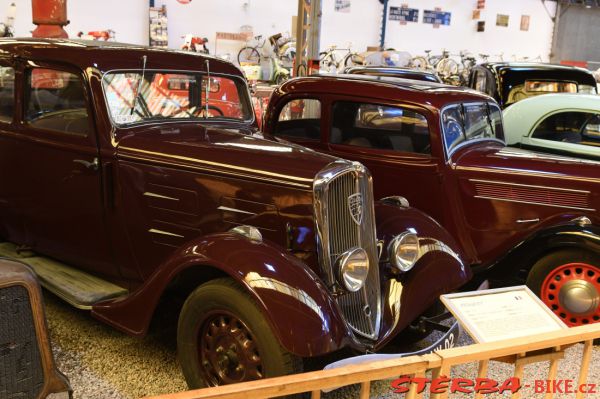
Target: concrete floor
x: 103, y: 363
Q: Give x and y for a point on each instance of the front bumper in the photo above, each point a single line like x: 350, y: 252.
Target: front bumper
x: 449, y: 338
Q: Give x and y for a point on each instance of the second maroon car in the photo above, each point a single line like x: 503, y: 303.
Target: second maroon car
x: 518, y: 216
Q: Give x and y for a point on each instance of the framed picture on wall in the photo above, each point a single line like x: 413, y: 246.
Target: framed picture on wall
x: 501, y: 20
x: 480, y: 26
x: 525, y: 22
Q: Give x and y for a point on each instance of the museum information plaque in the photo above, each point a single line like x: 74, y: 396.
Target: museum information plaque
x: 504, y: 313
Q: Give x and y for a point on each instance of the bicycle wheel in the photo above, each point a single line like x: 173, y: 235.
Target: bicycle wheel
x: 354, y: 59
x: 447, y: 67
x: 248, y: 55
x: 326, y: 61
x: 301, y: 70
x: 419, y: 63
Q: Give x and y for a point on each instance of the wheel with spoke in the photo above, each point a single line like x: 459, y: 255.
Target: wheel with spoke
x: 223, y: 338
x: 228, y: 350
x: 248, y: 55
x: 568, y: 282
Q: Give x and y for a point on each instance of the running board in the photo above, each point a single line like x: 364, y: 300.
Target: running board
x: 76, y: 287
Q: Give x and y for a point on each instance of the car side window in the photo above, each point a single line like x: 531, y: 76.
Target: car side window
x: 7, y: 94
x: 565, y: 127
x: 379, y: 126
x: 480, y: 81
x: 591, y: 130
x: 55, y: 100
x: 300, y: 119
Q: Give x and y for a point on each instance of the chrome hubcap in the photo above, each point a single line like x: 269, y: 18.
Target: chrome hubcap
x: 579, y: 297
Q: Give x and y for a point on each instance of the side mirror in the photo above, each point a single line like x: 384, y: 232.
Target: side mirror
x: 27, y: 368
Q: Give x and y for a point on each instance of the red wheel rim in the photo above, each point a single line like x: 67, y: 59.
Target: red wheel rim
x: 572, y: 291
x: 227, y: 350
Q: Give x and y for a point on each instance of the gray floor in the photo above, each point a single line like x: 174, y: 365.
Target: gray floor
x: 105, y: 364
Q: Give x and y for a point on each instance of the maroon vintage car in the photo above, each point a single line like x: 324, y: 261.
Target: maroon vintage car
x: 123, y: 192
x: 518, y: 216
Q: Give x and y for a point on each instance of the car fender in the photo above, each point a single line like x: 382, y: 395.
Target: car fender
x: 294, y: 301
x: 439, y: 270
x: 514, y: 267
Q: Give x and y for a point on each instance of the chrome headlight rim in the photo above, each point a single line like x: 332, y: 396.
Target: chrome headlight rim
x: 352, y: 268
x: 402, y: 262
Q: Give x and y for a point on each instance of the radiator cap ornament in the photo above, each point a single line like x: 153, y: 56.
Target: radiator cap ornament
x: 355, y: 205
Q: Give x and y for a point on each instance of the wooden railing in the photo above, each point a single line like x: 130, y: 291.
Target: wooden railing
x: 519, y: 351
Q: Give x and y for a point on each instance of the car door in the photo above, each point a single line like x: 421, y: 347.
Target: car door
x: 57, y: 175
x: 394, y: 142
x: 11, y: 225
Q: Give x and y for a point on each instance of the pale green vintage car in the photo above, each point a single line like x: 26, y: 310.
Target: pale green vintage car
x: 566, y: 124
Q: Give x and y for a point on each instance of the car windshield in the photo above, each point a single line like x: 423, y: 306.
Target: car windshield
x: 135, y: 97
x: 471, y: 121
x: 532, y: 88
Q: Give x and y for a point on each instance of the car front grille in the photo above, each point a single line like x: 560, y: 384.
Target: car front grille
x: 338, y: 191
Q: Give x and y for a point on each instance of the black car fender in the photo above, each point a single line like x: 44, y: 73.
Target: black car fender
x: 514, y: 267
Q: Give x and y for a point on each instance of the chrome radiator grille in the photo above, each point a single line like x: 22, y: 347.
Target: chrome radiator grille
x: 338, y: 232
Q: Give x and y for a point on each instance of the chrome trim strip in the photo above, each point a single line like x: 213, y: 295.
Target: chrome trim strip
x: 225, y: 208
x: 154, y: 195
x: 530, y: 186
x: 218, y: 164
x: 164, y: 233
x: 212, y: 170
x: 528, y: 220
x: 535, y: 203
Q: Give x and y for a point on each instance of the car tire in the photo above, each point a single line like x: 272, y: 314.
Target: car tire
x: 558, y: 276
x: 220, y: 328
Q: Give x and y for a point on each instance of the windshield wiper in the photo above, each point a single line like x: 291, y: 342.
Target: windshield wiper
x: 139, y: 88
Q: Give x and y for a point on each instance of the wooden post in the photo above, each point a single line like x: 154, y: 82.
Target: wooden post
x: 443, y: 370
x: 585, y: 365
x: 482, y: 373
x: 365, y: 390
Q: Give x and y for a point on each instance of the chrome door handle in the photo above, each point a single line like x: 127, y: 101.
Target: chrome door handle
x: 90, y: 165
x: 528, y: 220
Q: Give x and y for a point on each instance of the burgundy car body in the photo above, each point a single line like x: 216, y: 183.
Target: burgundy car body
x: 506, y: 207
x: 150, y: 206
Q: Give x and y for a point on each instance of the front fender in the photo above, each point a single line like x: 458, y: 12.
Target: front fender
x: 515, y: 265
x: 291, y: 296
x: 438, y: 271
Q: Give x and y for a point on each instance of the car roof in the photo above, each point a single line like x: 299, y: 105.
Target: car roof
x: 409, y: 73
x: 107, y: 56
x: 530, y: 66
x: 528, y: 70
x: 383, y: 87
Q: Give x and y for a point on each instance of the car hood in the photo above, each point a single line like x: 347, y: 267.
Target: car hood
x: 515, y: 162
x: 224, y: 151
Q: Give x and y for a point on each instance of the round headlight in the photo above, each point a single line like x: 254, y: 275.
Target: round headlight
x: 404, y: 251
x: 353, y: 268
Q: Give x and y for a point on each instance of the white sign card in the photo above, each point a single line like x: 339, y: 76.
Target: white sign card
x: 502, y: 313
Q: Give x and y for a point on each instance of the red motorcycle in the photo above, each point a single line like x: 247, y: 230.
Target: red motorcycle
x: 105, y: 35
x: 195, y: 43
